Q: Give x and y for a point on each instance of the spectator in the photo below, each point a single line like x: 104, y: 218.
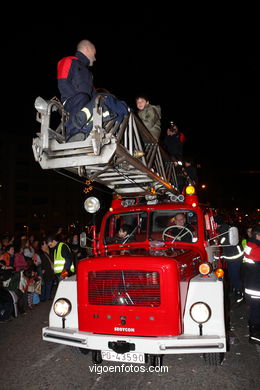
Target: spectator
x: 28, y: 251
x: 191, y: 170
x: 38, y: 279
x: 5, y: 272
x: 150, y: 115
x: 8, y: 256
x: 5, y: 241
x: 6, y: 305
x: 35, y: 245
x: 173, y: 142
x: 33, y: 282
x: 76, y: 250
x: 19, y: 259
x: 18, y: 284
x: 48, y: 275
x: 6, y: 302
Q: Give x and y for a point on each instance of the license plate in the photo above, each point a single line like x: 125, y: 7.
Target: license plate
x: 128, y: 357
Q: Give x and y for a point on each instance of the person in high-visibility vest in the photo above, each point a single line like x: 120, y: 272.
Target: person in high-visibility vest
x: 63, y: 264
x: 252, y: 284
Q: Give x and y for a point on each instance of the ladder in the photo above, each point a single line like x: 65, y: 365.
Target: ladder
x: 122, y: 156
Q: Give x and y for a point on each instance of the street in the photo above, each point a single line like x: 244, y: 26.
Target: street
x: 27, y: 362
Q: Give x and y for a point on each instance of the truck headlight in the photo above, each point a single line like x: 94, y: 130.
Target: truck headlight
x: 62, y: 307
x: 200, y: 312
x: 92, y: 205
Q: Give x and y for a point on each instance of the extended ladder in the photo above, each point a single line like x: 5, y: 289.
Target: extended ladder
x: 122, y: 156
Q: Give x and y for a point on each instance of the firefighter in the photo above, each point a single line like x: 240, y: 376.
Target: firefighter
x: 75, y: 82
x: 233, y: 256
x: 63, y: 264
x: 252, y: 284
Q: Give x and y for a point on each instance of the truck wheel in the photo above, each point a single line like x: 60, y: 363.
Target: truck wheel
x: 213, y: 359
x: 97, y: 357
x: 155, y: 360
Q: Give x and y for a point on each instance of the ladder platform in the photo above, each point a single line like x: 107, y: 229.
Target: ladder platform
x: 122, y: 156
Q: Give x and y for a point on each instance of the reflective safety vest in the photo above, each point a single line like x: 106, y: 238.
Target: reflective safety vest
x: 59, y: 260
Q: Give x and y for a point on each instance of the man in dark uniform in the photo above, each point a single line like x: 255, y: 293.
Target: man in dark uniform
x: 75, y: 82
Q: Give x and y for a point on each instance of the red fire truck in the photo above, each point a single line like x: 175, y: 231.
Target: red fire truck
x: 157, y: 289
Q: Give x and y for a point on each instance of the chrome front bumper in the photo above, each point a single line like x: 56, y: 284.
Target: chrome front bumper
x: 150, y: 345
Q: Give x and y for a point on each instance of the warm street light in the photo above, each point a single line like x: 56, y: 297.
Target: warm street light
x: 27, y: 230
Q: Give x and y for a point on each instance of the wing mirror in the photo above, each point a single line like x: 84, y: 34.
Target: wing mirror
x: 83, y: 240
x: 233, y: 235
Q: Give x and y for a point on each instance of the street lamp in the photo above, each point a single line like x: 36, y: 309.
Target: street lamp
x: 27, y: 230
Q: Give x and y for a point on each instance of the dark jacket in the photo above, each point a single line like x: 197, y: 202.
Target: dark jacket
x: 151, y: 118
x: 74, y: 77
x: 46, y: 266
x: 173, y: 145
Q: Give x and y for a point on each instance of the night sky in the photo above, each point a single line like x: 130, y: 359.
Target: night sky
x: 205, y: 83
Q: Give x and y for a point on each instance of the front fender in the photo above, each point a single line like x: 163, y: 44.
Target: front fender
x: 210, y: 291
x: 67, y: 288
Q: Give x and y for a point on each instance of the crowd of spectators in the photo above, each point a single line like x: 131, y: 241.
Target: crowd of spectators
x: 26, y: 272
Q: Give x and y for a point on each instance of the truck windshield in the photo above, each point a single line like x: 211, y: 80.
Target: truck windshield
x: 174, y: 225
x: 164, y: 225
x: 126, y: 227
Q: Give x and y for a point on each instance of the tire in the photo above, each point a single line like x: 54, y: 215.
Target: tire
x: 155, y: 360
x: 214, y: 359
x: 97, y: 357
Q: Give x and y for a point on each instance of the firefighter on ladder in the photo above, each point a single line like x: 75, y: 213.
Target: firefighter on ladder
x: 63, y: 264
x: 252, y: 284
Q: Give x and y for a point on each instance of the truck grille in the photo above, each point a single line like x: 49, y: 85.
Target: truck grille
x: 124, y: 287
